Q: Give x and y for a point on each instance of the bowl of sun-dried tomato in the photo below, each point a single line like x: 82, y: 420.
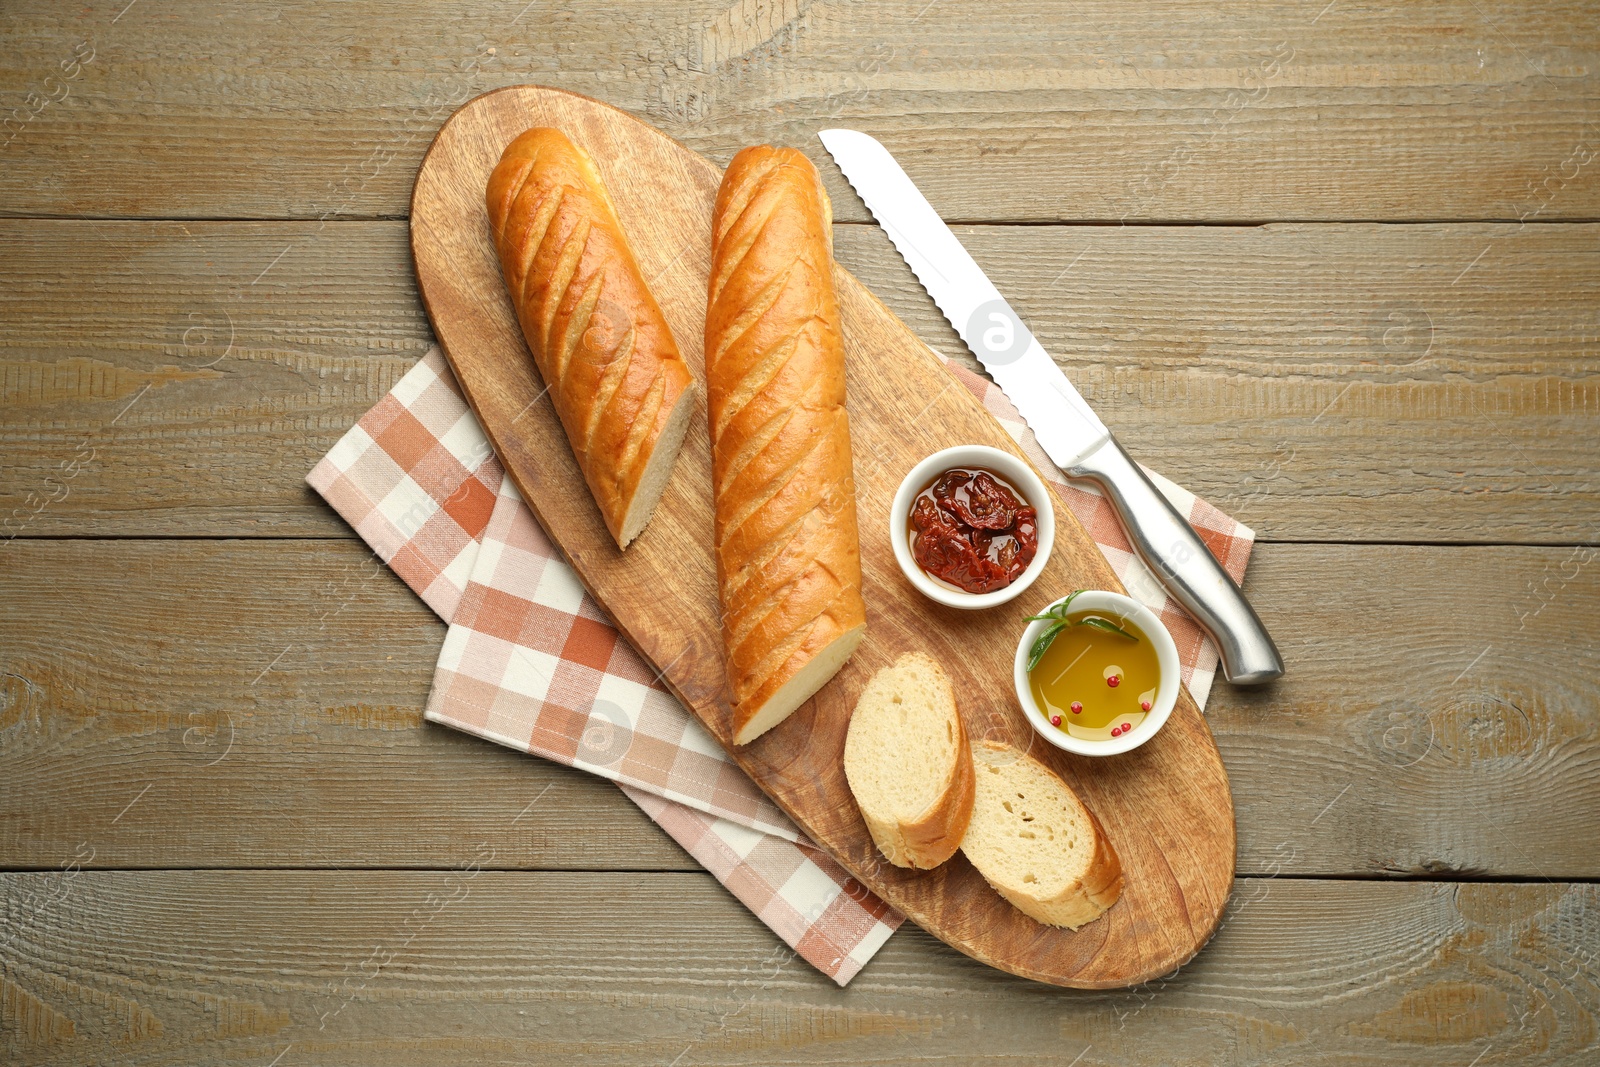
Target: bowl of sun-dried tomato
x: 972, y: 526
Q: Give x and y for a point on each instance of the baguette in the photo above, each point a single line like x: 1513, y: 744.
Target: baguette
x: 788, y: 560
x: 908, y: 764
x: 613, y: 371
x: 1033, y: 840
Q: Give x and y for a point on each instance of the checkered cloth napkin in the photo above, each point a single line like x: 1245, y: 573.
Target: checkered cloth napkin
x: 530, y: 661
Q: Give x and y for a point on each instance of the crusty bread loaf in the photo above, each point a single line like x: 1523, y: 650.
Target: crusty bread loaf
x: 1033, y: 840
x: 908, y: 764
x: 614, y: 374
x: 788, y: 562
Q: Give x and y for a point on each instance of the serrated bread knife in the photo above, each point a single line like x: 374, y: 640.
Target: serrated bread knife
x: 1068, y: 430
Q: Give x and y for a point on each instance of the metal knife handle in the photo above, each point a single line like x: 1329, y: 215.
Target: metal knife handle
x: 1184, y: 565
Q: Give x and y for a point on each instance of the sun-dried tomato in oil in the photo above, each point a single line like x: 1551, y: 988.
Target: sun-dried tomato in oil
x: 973, y: 531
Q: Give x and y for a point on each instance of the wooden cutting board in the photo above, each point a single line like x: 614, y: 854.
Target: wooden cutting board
x: 1166, y: 806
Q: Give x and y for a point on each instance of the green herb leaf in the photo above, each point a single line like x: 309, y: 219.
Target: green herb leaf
x: 1057, y: 617
x: 1057, y: 611
x: 1042, y: 644
x: 1108, y: 626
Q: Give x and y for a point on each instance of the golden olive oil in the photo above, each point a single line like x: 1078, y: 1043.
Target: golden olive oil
x: 1112, y: 680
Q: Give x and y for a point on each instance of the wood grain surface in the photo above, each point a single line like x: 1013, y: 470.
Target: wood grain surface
x: 1089, y: 110
x: 1349, y: 383
x: 315, y: 662
x: 1405, y: 350
x: 465, y: 965
x: 1165, y: 807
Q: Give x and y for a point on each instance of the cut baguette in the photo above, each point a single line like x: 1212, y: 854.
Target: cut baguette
x: 597, y: 336
x: 657, y: 468
x: 1033, y: 840
x: 908, y: 764
x: 788, y: 558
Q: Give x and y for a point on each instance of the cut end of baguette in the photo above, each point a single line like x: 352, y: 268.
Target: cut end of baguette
x: 1033, y: 840
x: 908, y: 764
x: 657, y: 470
x: 799, y: 689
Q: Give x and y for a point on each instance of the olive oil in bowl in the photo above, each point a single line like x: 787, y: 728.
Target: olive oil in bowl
x: 1095, y: 684
x: 1096, y: 673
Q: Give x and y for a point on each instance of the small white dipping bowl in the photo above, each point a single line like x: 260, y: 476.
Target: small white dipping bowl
x: 1013, y: 470
x: 1116, y: 606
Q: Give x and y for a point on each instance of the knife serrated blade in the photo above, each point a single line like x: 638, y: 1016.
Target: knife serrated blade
x: 1067, y: 429
x: 987, y: 324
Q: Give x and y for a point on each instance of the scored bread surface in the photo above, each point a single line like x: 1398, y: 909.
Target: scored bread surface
x: 1033, y: 840
x: 908, y: 764
x: 788, y: 560
x: 602, y: 346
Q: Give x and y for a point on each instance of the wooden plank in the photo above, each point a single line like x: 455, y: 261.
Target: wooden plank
x: 484, y: 967
x: 1321, y: 382
x: 1176, y: 110
x: 234, y: 354
x: 1167, y: 810
x: 1400, y: 743
x: 1442, y: 700
x: 179, y: 703
x: 1301, y: 376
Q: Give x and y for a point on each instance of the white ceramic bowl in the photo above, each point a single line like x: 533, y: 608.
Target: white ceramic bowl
x: 1116, y: 606
x: 1007, y: 466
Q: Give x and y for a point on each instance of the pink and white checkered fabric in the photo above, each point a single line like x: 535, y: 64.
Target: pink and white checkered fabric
x: 419, y: 481
x: 531, y: 662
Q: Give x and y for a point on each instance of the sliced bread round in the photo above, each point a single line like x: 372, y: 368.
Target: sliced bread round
x: 1033, y: 840
x: 908, y: 764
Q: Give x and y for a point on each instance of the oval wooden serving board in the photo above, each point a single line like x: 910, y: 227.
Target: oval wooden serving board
x: 1166, y: 806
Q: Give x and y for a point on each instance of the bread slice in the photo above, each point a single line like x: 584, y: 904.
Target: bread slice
x: 908, y: 764
x: 1033, y: 840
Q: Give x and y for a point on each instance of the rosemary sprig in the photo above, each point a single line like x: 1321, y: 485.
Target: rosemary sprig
x: 1057, y: 617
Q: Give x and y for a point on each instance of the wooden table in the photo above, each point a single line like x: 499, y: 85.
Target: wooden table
x: 1333, y: 266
